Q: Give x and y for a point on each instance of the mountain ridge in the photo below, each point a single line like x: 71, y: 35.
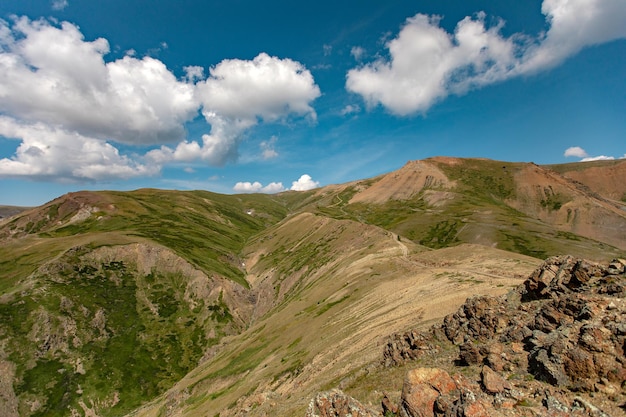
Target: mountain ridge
x: 263, y: 286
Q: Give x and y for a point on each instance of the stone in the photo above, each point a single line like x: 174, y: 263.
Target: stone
x: 493, y: 382
x: 563, y: 331
x: 422, y: 387
x: 546, y: 370
x: 335, y: 403
x: 388, y: 406
x: 469, y: 354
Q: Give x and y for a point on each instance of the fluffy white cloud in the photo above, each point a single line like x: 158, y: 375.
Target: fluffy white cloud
x: 54, y: 79
x: 304, y: 183
x: 55, y: 153
x: 52, y: 75
x: 273, y: 187
x: 257, y: 187
x: 575, y: 151
x: 574, y: 25
x: 235, y: 96
x: 578, y: 152
x: 426, y: 63
x: 216, y: 148
x: 248, y: 187
x: 266, y: 87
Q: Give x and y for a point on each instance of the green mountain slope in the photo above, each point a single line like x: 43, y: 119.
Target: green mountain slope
x: 214, y: 303
x: 109, y: 298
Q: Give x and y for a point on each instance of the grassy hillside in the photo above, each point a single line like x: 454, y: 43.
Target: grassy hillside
x: 340, y: 287
x: 109, y: 298
x: 215, y: 303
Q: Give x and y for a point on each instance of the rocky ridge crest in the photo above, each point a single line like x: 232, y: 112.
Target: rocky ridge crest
x: 554, y: 346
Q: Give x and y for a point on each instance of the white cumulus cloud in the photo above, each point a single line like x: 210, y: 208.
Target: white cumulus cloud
x: 578, y: 152
x: 425, y: 63
x: 304, y: 183
x: 257, y: 187
x: 53, y: 79
x: 575, y: 151
x: 267, y: 87
x: 574, y: 25
x: 47, y: 152
x: 52, y: 75
x: 236, y: 96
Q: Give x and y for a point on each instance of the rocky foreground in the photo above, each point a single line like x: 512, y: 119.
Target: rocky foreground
x: 552, y: 347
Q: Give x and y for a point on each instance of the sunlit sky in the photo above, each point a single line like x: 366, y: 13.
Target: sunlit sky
x: 237, y: 96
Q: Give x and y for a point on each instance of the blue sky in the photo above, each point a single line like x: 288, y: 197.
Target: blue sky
x: 248, y: 96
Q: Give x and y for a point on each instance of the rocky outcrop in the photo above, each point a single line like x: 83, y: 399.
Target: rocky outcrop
x: 335, y: 403
x: 491, y: 396
x: 553, y: 346
x: 407, y: 346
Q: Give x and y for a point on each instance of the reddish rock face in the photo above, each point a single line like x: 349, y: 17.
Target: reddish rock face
x: 422, y: 386
x: 493, y: 382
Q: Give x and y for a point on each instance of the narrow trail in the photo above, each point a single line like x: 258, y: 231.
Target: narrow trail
x: 403, y: 247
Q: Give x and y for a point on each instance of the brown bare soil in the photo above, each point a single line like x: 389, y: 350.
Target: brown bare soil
x: 563, y: 203
x: 404, y: 183
x: 607, y: 178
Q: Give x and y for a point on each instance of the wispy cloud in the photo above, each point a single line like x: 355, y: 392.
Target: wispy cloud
x: 357, y: 52
x: 59, y: 4
x: 427, y: 64
x: 350, y: 109
x: 268, y: 150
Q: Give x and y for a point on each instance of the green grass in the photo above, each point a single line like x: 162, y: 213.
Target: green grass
x: 327, y: 306
x: 487, y: 179
x: 202, y: 227
x: 135, y: 352
x: 554, y: 202
x: 241, y: 362
x: 442, y: 234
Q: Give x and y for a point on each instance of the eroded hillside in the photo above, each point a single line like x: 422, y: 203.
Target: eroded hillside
x: 182, y: 303
x: 519, y: 207
x: 332, y: 313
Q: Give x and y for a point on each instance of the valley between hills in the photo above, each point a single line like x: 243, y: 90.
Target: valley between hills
x: 191, y: 303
